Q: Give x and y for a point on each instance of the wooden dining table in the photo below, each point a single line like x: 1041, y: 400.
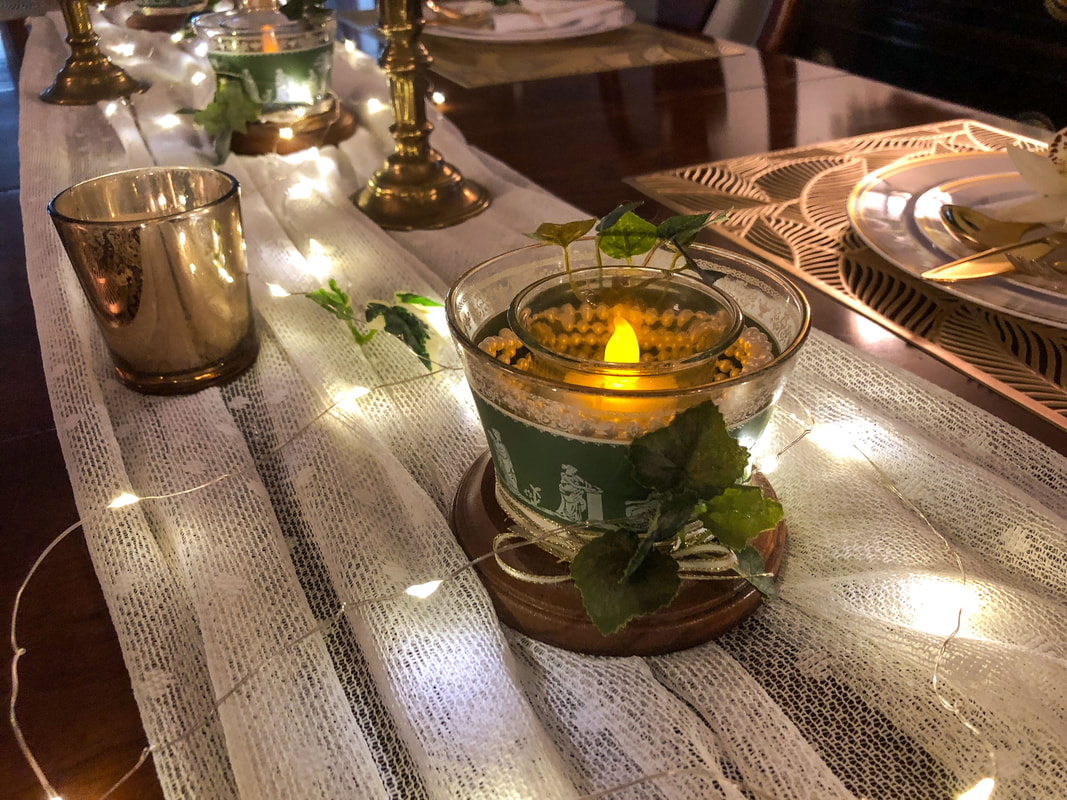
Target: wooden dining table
x: 578, y: 137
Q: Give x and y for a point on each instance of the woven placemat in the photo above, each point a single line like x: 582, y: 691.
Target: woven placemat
x: 476, y: 64
x: 788, y: 207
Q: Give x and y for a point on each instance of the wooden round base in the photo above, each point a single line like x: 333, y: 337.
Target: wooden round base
x: 163, y: 20
x: 318, y: 130
x: 554, y: 614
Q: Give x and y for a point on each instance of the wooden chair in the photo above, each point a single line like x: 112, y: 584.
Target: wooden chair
x: 766, y: 24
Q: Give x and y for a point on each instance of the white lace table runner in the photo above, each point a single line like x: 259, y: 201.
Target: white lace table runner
x: 825, y: 693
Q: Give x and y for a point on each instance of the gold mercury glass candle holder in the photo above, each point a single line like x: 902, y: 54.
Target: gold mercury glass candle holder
x: 284, y: 65
x: 560, y: 406
x: 160, y: 256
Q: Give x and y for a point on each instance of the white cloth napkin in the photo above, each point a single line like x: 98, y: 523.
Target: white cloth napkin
x: 531, y: 15
x: 540, y: 14
x: 1045, y: 175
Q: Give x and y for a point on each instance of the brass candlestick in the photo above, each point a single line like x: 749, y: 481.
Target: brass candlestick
x: 88, y: 76
x: 416, y: 188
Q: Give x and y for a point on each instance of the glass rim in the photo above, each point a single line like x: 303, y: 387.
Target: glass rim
x: 785, y: 356
x: 231, y: 189
x: 640, y: 368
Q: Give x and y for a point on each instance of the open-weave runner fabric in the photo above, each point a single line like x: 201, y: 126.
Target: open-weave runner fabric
x: 824, y: 693
x: 789, y: 207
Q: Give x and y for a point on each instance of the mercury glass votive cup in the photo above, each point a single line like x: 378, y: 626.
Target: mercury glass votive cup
x: 559, y: 436
x: 160, y: 256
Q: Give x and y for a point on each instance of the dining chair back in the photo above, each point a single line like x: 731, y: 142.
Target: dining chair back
x: 767, y: 24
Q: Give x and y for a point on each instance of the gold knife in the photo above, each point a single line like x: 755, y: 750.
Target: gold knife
x: 989, y: 262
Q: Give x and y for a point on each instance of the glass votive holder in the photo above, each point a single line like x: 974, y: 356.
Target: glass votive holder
x: 160, y: 256
x: 284, y: 65
x: 559, y: 416
x: 624, y: 327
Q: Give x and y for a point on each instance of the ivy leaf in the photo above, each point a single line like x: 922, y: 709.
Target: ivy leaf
x: 689, y: 262
x: 562, y: 233
x: 231, y: 109
x: 672, y: 513
x: 404, y: 325
x: 610, y: 598
x: 417, y: 300
x: 739, y: 514
x: 694, y: 452
x: 333, y: 300
x: 337, y: 303
x: 610, y: 219
x: 682, y: 229
x: 629, y: 236
x: 749, y: 566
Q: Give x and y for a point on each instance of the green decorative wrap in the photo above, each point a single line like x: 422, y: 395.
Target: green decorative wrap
x: 280, y: 80
x: 568, y: 479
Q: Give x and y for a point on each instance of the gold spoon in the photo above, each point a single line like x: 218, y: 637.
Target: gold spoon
x: 982, y: 232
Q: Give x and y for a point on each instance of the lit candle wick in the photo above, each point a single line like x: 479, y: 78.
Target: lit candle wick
x: 270, y: 42
x: 622, y: 347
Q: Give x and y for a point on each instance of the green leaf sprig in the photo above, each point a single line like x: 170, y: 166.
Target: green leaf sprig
x: 396, y: 320
x: 694, y: 467
x: 624, y: 235
x: 230, y: 110
x: 405, y: 326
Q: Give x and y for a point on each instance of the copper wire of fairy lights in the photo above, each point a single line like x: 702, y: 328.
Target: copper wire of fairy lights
x: 425, y: 590
x: 767, y: 463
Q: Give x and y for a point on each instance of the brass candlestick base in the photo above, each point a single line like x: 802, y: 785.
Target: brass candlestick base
x: 417, y: 188
x: 429, y: 193
x: 88, y: 76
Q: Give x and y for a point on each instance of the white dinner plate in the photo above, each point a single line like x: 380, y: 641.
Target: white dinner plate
x: 896, y: 211
x: 603, y: 24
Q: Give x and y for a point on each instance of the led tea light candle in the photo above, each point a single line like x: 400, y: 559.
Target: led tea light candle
x: 160, y: 255
x: 282, y: 64
x: 569, y: 368
x: 560, y: 406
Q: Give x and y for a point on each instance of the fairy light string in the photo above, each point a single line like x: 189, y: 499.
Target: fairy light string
x: 706, y: 560
x: 710, y: 559
x: 503, y: 544
x: 982, y: 789
x: 128, y: 499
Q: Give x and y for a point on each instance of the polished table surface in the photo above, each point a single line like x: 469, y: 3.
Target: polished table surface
x: 577, y: 137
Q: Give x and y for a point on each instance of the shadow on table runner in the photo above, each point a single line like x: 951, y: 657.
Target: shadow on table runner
x: 476, y: 64
x: 778, y: 215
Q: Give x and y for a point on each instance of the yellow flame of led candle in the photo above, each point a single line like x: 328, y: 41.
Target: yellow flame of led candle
x: 270, y: 41
x: 622, y: 347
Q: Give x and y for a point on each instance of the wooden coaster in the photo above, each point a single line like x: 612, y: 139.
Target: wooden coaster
x: 554, y: 614
x: 318, y: 130
x: 162, y: 20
